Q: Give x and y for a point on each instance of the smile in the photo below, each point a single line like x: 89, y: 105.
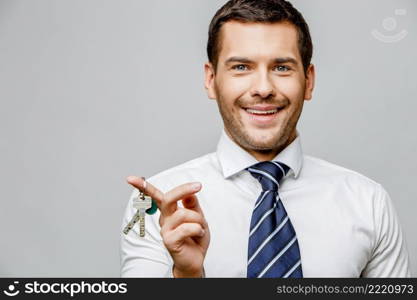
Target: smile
x: 261, y: 112
x: 262, y: 116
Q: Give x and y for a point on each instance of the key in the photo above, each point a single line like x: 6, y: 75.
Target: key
x: 132, y: 223
x: 141, y: 203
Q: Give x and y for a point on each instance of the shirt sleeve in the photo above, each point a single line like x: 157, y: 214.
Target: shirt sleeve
x: 143, y: 256
x: 389, y: 257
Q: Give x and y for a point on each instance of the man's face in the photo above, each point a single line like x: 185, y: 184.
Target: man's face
x: 259, y: 84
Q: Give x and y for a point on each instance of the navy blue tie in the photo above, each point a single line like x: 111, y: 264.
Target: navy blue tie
x: 273, y: 247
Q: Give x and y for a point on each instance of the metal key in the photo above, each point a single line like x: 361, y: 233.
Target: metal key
x: 142, y: 203
x: 132, y: 223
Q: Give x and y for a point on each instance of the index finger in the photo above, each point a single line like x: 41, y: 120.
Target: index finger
x: 146, y: 188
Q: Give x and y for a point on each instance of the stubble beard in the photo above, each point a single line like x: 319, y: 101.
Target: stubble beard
x: 234, y: 127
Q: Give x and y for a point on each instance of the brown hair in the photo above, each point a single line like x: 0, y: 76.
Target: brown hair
x: 262, y: 11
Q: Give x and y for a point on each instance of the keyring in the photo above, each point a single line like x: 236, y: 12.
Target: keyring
x: 154, y: 207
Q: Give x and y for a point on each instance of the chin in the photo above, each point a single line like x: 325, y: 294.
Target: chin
x: 262, y: 141
x: 266, y: 139
x: 263, y: 145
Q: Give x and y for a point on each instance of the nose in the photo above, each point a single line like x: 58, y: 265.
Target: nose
x: 263, y: 86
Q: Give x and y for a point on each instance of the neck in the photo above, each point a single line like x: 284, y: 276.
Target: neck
x: 269, y: 154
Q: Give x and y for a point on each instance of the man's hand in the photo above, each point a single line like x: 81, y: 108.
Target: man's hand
x: 184, y: 231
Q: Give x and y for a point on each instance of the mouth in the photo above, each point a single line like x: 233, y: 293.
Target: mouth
x: 262, y: 115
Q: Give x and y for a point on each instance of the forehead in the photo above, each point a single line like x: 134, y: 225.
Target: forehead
x: 258, y: 40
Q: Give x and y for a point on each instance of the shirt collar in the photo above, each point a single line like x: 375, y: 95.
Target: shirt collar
x: 233, y: 159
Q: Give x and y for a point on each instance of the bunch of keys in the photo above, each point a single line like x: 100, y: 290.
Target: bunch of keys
x: 144, y: 205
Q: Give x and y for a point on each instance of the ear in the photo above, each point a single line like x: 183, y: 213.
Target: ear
x: 209, y: 80
x: 310, y: 79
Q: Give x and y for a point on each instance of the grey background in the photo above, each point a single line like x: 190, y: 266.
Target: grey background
x: 94, y: 91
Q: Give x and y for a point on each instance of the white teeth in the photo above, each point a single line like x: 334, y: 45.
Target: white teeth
x: 261, y: 112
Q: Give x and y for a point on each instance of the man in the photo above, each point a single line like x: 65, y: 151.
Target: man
x: 259, y: 207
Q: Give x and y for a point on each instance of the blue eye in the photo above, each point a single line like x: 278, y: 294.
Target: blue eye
x: 239, y: 68
x: 282, y: 68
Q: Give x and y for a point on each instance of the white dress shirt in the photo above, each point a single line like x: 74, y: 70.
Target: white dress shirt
x: 345, y: 223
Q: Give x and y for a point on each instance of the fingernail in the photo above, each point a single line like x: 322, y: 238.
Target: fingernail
x: 196, y: 186
x: 130, y: 178
x: 202, y: 232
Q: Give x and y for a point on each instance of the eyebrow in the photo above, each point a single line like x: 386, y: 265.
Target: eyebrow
x: 238, y: 59
x: 283, y: 60
x: 278, y: 60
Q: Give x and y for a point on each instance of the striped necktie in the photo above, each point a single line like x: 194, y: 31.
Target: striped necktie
x: 273, y: 247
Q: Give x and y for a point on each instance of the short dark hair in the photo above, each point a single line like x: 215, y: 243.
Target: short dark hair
x: 259, y: 11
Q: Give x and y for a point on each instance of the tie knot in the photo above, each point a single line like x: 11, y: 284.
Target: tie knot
x: 269, y: 174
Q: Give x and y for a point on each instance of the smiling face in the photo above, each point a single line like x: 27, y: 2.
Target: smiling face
x: 260, y: 85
